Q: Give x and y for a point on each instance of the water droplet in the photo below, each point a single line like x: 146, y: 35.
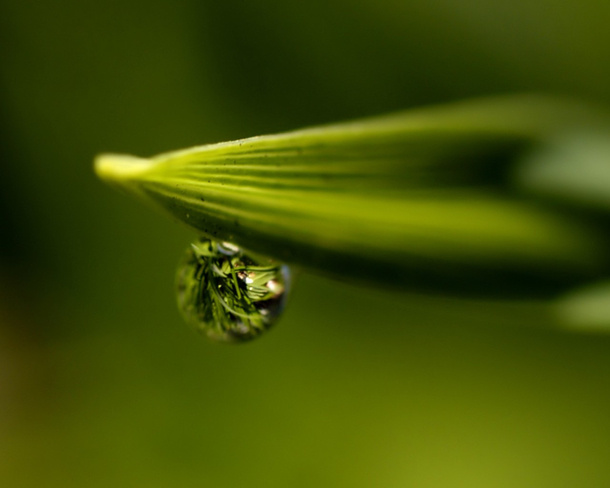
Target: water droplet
x: 230, y: 294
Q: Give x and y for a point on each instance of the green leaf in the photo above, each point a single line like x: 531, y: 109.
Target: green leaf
x: 419, y: 199
x: 572, y: 168
x: 584, y: 309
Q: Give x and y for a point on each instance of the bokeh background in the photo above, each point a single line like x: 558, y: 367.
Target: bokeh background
x: 101, y: 383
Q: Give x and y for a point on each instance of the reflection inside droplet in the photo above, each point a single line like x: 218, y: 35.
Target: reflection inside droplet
x: 230, y: 294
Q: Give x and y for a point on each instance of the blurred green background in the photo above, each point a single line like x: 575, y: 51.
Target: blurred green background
x: 101, y: 383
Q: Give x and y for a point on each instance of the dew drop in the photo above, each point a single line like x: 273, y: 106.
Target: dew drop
x: 230, y: 294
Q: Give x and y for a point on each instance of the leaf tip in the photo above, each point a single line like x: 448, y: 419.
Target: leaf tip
x: 118, y: 168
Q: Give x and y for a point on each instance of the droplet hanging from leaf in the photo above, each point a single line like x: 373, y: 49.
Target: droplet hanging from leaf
x: 228, y: 294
